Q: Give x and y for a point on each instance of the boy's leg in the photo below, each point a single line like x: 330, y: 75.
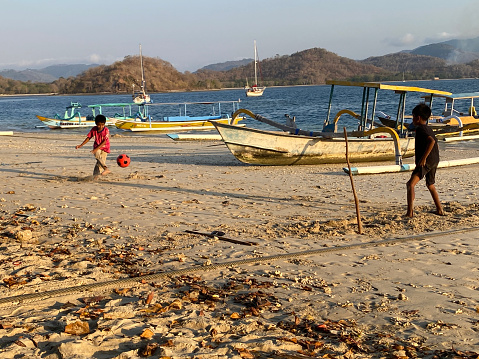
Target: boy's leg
x: 96, y: 170
x: 411, y: 195
x: 101, y: 163
x: 435, y: 197
x: 430, y: 180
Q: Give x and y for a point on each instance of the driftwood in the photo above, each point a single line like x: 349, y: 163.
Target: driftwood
x: 221, y: 237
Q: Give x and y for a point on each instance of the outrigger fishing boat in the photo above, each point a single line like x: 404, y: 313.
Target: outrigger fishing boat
x: 73, y: 118
x: 187, y: 118
x: 458, y: 120
x: 295, y: 146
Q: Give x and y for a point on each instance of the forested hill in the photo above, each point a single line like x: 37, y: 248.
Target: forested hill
x: 309, y: 67
x: 123, y: 76
x: 419, y: 67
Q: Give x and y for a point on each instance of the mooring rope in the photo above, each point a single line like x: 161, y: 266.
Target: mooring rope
x: 103, y: 286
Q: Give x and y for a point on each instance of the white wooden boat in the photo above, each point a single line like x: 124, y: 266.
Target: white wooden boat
x: 184, y: 119
x: 262, y: 147
x: 255, y: 90
x: 259, y: 147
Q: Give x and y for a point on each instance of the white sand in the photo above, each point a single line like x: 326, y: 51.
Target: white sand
x: 418, y: 298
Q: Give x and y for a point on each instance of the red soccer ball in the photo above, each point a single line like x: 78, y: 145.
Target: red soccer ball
x: 123, y: 160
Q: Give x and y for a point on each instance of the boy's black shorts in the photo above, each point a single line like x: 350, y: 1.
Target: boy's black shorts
x: 429, y: 172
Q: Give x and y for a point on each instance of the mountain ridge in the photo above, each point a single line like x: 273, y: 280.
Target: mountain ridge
x: 46, y: 74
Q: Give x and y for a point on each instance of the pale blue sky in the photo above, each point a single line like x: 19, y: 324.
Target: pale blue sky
x: 191, y: 34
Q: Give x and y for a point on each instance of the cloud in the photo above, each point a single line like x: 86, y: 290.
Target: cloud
x: 94, y: 58
x: 440, y: 37
x: 406, y: 40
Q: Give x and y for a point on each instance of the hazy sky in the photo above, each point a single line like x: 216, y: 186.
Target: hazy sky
x: 191, y: 34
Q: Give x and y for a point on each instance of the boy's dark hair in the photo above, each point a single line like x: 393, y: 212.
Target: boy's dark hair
x: 100, y: 119
x: 422, y: 110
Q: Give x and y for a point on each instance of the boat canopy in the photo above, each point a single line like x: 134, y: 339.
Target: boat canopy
x: 374, y: 87
x: 191, y: 103
x: 126, y: 109
x: 382, y: 86
x: 458, y: 96
x: 449, y: 109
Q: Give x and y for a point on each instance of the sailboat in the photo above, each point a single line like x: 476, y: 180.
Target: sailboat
x: 255, y: 90
x: 142, y: 96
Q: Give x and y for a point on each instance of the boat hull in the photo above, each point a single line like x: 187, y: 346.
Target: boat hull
x: 169, y: 126
x: 55, y: 123
x: 270, y: 148
x: 254, y: 92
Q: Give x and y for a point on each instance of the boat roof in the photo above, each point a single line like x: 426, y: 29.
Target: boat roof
x: 122, y: 104
x: 192, y: 103
x: 459, y: 96
x: 382, y: 86
x: 126, y: 104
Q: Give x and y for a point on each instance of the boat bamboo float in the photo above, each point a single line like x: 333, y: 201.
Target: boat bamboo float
x: 460, y: 138
x: 194, y: 137
x: 407, y: 167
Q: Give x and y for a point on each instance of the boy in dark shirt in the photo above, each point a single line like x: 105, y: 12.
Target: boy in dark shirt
x: 427, y: 158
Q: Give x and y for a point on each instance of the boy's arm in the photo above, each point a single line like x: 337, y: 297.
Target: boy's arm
x: 430, y: 146
x: 85, y: 141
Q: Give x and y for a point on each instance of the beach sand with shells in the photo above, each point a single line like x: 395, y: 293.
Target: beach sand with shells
x: 285, y: 275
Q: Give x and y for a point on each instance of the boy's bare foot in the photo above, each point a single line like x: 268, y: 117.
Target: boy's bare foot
x: 409, y: 215
x: 439, y: 213
x: 105, y: 172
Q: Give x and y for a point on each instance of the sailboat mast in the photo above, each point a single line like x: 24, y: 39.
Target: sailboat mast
x: 255, y: 62
x: 142, y: 72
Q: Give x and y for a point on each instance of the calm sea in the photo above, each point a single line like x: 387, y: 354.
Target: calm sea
x: 309, y: 104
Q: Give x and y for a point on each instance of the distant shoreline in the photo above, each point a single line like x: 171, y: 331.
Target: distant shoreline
x: 209, y: 90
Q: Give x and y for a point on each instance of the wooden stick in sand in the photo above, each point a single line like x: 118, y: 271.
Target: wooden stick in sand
x: 356, y: 201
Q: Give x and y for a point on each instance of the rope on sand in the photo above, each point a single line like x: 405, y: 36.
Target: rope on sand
x: 103, y: 286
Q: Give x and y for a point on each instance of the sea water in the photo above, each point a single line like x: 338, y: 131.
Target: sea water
x: 308, y: 104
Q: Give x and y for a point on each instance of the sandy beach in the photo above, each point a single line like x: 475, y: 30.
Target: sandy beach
x: 289, y: 276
